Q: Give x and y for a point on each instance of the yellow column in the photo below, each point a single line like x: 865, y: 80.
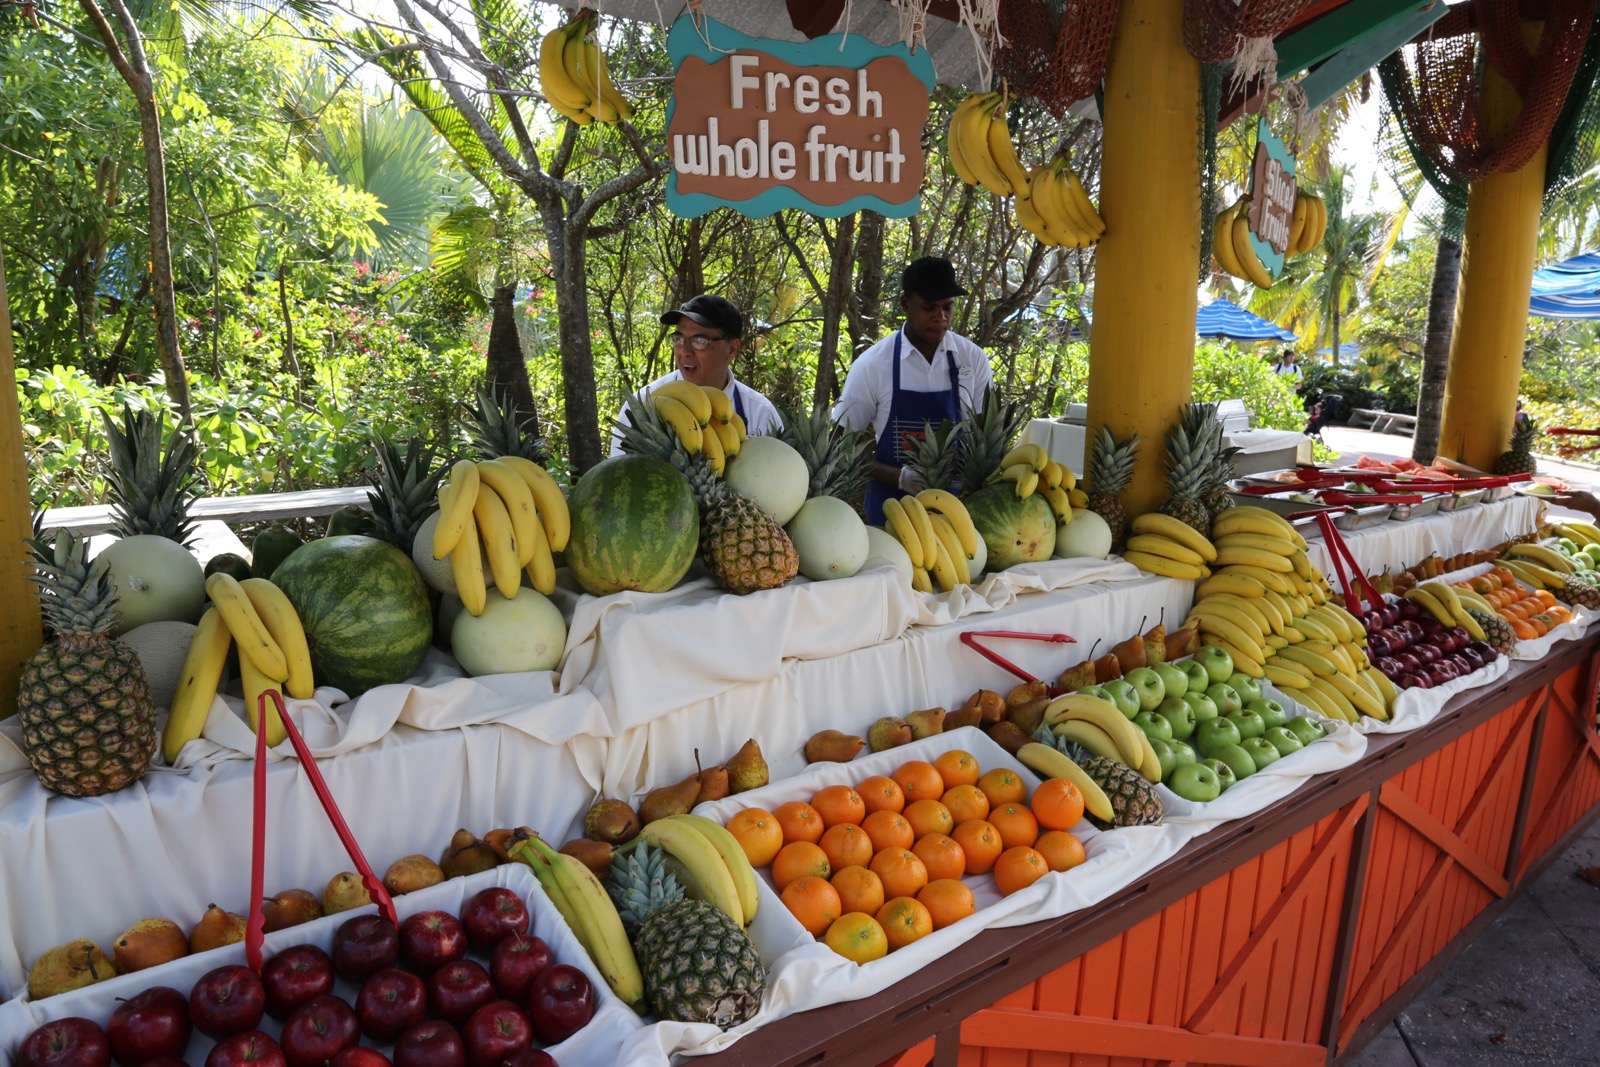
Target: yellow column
x: 20, y: 629
x: 1141, y: 349
x: 1497, y: 260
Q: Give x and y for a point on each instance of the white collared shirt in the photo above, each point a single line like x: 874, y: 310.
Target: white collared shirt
x: 869, y: 387
x: 760, y: 416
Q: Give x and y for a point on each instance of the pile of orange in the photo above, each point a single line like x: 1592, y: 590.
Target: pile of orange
x: 1531, y: 614
x: 873, y: 868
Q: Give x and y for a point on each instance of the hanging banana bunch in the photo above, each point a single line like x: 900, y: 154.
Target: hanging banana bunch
x: 1310, y: 223
x: 573, y: 75
x: 1056, y: 208
x: 1230, y: 244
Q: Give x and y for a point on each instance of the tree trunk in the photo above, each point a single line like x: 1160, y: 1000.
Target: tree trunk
x: 833, y: 306
x: 1436, y: 350
x: 691, y: 279
x: 869, y: 281
x: 291, y: 361
x: 1335, y: 337
x: 505, y: 367
x: 577, y: 353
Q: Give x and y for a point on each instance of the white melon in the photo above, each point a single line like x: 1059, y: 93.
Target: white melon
x: 884, y: 548
x: 156, y: 580
x: 435, y: 572
x: 161, y: 647
x: 772, y: 474
x: 525, y: 633
x: 830, y: 539
x: 978, y: 560
x: 1086, y: 535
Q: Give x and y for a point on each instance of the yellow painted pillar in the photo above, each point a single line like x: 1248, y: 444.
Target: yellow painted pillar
x: 20, y: 629
x: 1141, y: 349
x: 1498, y: 252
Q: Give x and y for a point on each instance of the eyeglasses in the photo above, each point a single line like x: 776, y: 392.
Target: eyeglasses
x: 699, y: 344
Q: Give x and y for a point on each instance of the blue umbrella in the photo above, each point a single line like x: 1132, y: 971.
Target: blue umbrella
x: 1568, y: 290
x: 1223, y: 319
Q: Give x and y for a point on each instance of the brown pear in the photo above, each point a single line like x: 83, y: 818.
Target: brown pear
x: 411, y: 873
x: 991, y: 706
x: 713, y: 784
x: 1027, y: 717
x: 1182, y: 642
x: 215, y: 929
x: 831, y: 746
x: 289, y: 908
x: 1077, y: 677
x: 1026, y: 693
x: 67, y: 967
x: 1130, y: 653
x: 595, y: 855
x: 888, y: 732
x: 1008, y: 735
x: 612, y: 821
x: 966, y: 715
x: 670, y: 800
x: 466, y: 854
x: 926, y: 723
x: 149, y: 942
x: 1155, y: 645
x: 748, y: 768
x: 501, y: 840
x: 1106, y: 668
x: 344, y: 891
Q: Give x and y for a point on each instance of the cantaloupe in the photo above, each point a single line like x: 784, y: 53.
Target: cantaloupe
x: 882, y: 547
x: 437, y: 573
x: 772, y: 474
x: 830, y: 539
x: 156, y: 580
x: 525, y: 633
x: 1086, y: 535
x: 162, y: 648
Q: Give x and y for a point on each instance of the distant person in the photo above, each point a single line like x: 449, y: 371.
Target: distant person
x: 1321, y: 413
x: 1521, y: 416
x: 1286, y: 366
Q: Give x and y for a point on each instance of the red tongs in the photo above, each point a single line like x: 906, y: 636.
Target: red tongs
x: 1361, y: 500
x: 1354, y: 584
x: 970, y: 639
x: 255, y: 926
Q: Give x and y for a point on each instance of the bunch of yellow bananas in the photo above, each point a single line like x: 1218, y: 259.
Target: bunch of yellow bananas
x: 1449, y: 605
x: 507, y: 511
x: 273, y: 654
x: 1095, y: 724
x: 1056, y: 208
x: 1309, y: 225
x: 937, y: 533
x: 1169, y: 547
x: 573, y: 76
x: 1031, y: 470
x: 1581, y: 533
x: 1230, y: 244
x: 980, y: 146
x: 703, y: 419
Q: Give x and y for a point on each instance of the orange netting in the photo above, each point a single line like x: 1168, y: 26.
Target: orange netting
x: 1215, y: 30
x: 1055, y: 52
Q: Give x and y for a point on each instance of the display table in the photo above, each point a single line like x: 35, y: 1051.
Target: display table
x: 1398, y: 545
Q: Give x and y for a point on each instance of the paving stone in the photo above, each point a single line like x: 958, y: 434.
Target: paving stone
x: 1388, y: 1049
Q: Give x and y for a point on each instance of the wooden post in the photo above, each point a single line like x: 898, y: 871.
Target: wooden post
x: 1497, y: 260
x: 1141, y: 351
x: 21, y: 630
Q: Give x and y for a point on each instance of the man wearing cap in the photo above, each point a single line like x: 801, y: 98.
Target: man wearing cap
x: 923, y: 375
x: 704, y: 345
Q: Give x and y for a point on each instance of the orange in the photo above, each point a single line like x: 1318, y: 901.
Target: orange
x: 847, y: 845
x: 839, y: 804
x: 758, y: 833
x: 1515, y: 611
x: 981, y: 844
x: 1016, y: 825
x: 920, y: 780
x: 1002, y: 786
x: 941, y: 855
x: 904, y: 920
x: 901, y: 871
x: 966, y: 802
x: 948, y: 900
x: 957, y: 767
x: 1559, y: 612
x: 857, y: 936
x: 1018, y: 868
x: 1541, y: 622
x: 882, y: 793
x: 888, y: 829
x: 796, y: 860
x: 928, y: 817
x: 1523, y: 631
x: 800, y: 822
x: 1057, y: 804
x: 859, y: 890
x: 1545, y: 597
x: 1060, y: 850
x: 813, y: 902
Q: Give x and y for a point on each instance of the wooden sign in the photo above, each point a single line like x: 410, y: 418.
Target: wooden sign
x: 830, y: 126
x: 1273, y: 187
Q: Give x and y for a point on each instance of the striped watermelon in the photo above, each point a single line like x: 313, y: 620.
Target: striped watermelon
x: 1015, y: 531
x: 634, y: 526
x: 364, y: 608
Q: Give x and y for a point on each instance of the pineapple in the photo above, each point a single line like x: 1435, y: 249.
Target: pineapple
x: 1519, y: 460
x: 150, y: 491
x: 1579, y: 591
x: 1190, y: 455
x: 1498, y: 632
x: 1110, y: 470
x: 741, y: 545
x: 405, y: 490
x: 986, y: 436
x: 1200, y: 421
x: 497, y: 429
x: 88, y: 723
x: 698, y: 965
x: 1134, y: 800
x: 836, y: 458
x: 936, y: 456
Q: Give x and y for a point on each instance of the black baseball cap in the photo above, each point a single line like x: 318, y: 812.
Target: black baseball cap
x: 931, y: 278
x: 712, y: 312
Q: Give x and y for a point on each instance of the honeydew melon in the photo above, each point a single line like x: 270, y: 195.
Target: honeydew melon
x: 1086, y: 535
x: 830, y: 539
x: 161, y: 648
x: 156, y: 580
x: 772, y: 474
x: 437, y: 573
x: 525, y: 633
x: 882, y: 547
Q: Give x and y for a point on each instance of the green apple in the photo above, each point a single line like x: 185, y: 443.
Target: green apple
x: 1238, y: 759
x: 1182, y: 750
x: 1261, y: 751
x: 1098, y: 691
x: 1194, y: 781
x: 1593, y: 552
x: 1213, y: 734
x: 1306, y: 729
x: 1223, y: 772
x: 1218, y: 664
x: 1249, y: 723
x: 1175, y: 682
x: 1247, y: 687
x: 1124, y: 696
x: 1148, y: 684
x: 1281, y: 739
x: 1227, y: 699
x: 1154, y: 726
x: 1272, y: 713
x: 1204, y: 707
x: 1199, y: 677
x: 1164, y: 756
x: 1179, y: 716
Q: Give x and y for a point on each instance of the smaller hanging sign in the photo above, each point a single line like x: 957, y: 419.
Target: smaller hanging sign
x: 1273, y: 187
x: 830, y: 126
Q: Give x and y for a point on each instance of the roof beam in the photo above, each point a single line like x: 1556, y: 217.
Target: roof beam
x: 1338, y: 29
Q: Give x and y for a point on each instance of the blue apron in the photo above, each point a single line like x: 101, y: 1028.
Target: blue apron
x: 909, y: 413
x: 738, y: 408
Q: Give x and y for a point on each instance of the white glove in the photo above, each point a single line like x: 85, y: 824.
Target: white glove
x: 910, y: 480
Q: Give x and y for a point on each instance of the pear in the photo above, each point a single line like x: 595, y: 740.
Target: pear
x: 748, y: 768
x: 215, y: 929
x: 966, y: 715
x: 1008, y: 735
x: 290, y: 908
x: 344, y: 891
x: 1077, y: 677
x: 67, y: 967
x: 611, y: 821
x: 149, y: 942
x: 926, y: 723
x: 670, y: 800
x: 502, y: 839
x: 411, y: 873
x: 595, y: 855
x: 1130, y: 653
x: 465, y: 855
x: 1155, y: 643
x: 831, y: 746
x: 888, y: 732
x: 1026, y: 693
x: 1183, y: 642
x: 713, y: 784
x: 991, y: 706
x: 1106, y: 668
x: 1027, y: 717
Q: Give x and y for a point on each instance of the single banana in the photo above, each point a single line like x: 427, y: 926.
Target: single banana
x: 1285, y: 679
x: 1151, y: 766
x: 1091, y: 737
x: 1229, y: 524
x: 1243, y: 662
x: 1283, y: 663
x: 197, y: 685
x: 691, y: 396
x: 1234, y: 556
x: 711, y: 447
x: 602, y: 932
x: 738, y: 425
x: 1281, y: 603
x: 920, y: 581
x: 1275, y: 581
x: 1320, y: 665
x: 283, y: 623
x: 1060, y: 502
x: 1335, y: 623
x: 1313, y: 629
x: 614, y: 101
x: 944, y: 568
x: 945, y: 503
x: 1446, y: 596
x: 456, y: 497
x: 586, y: 65
x: 1263, y: 614
x: 541, y: 566
x: 1222, y: 242
x: 1154, y: 522
x: 1319, y: 702
x: 1297, y: 226
x: 1003, y: 152
x: 1273, y: 544
x: 1159, y: 545
x: 499, y: 541
x: 1052, y: 475
x: 1083, y: 707
x: 1078, y: 198
x: 951, y: 544
x: 721, y: 406
x: 1240, y: 513
x: 1227, y: 582
x: 956, y: 154
x: 255, y: 643
x: 466, y: 566
x: 727, y: 437
x: 1356, y: 692
x: 255, y: 684
x: 1047, y: 761
x: 1423, y: 597
x: 1525, y: 571
x: 1033, y: 455
x: 1325, y: 689
x: 1548, y: 558
x: 1078, y: 497
x: 1254, y: 269
x: 681, y: 419
x: 514, y: 493
x: 524, y: 852
x: 733, y: 857
x: 706, y: 876
x: 547, y: 498
x: 1230, y: 625
x: 1029, y: 219
x: 924, y: 527
x: 1390, y: 692
x: 1167, y: 568
x: 898, y: 523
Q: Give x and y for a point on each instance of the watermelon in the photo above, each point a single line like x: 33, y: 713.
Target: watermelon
x: 1014, y: 530
x: 364, y: 608
x: 634, y: 526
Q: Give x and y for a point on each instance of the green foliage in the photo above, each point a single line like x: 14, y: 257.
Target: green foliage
x: 1223, y: 371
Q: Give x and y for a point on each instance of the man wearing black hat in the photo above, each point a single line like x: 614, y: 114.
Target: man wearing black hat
x: 923, y: 375
x: 704, y: 345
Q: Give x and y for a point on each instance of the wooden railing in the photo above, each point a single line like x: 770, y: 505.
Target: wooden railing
x: 258, y: 507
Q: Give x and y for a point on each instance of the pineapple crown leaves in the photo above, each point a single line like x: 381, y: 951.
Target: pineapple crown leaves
x: 405, y: 488
x: 988, y: 435
x: 640, y: 884
x: 497, y: 427
x: 835, y: 457
x: 74, y: 597
x: 151, y: 488
x: 936, y: 456
x: 1190, y: 454
x: 1111, y: 467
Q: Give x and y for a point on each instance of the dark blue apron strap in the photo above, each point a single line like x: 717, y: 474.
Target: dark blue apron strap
x: 738, y: 407
x: 955, y: 387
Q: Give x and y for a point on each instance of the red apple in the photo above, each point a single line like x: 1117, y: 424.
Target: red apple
x: 389, y: 1002
x: 434, y: 1043
x: 227, y: 1000
x: 250, y: 1048
x: 357, y: 1056
x: 70, y: 1042
x: 431, y: 939
x: 560, y: 1003
x: 154, y: 1023
x: 458, y: 989
x: 296, y: 976
x: 492, y: 915
x: 363, y: 946
x: 318, y: 1031
x: 515, y: 962
x: 529, y: 1057
x: 494, y: 1032
x: 164, y: 1061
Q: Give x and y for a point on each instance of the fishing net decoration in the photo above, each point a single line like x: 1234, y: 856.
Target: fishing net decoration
x: 1214, y: 31
x: 1055, y: 50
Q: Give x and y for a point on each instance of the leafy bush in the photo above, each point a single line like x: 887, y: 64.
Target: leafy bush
x: 1224, y: 372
